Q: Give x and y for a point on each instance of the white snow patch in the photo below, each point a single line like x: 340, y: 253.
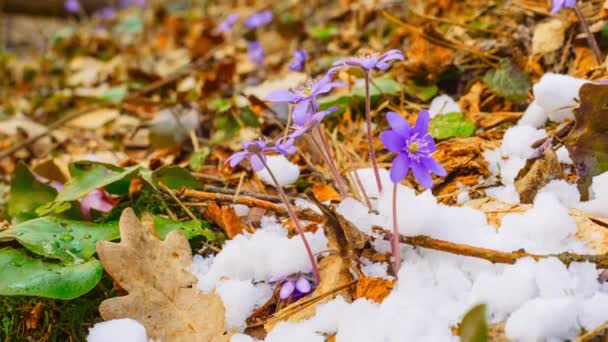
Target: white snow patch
x: 544, y: 319
x: 443, y: 104
x: 285, y: 171
x: 555, y: 94
x: 598, y: 193
x: 534, y: 116
x: 240, y: 298
x: 118, y: 330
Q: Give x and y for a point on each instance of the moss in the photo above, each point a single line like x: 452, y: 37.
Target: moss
x: 58, y: 320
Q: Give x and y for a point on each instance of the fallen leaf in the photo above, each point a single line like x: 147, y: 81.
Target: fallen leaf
x: 227, y: 219
x: 548, y: 36
x: 325, y: 192
x: 162, y: 293
x: 536, y: 174
x: 474, y: 327
x: 373, y: 288
x: 94, y: 119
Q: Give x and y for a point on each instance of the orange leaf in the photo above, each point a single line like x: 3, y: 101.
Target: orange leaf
x: 232, y: 223
x: 373, y: 288
x: 324, y: 192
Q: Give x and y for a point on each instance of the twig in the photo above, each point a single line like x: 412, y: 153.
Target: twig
x: 168, y: 191
x: 227, y: 191
x: 308, y: 215
x: 590, y: 37
x: 493, y: 256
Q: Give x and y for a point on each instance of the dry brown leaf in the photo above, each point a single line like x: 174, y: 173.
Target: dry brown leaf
x: 325, y: 192
x: 373, y: 288
x: 536, y: 174
x: 470, y: 103
x: 426, y: 56
x: 548, y: 36
x: 227, y: 219
x: 489, y: 120
x: 33, y: 317
x: 335, y: 274
x: 95, y: 118
x: 162, y: 293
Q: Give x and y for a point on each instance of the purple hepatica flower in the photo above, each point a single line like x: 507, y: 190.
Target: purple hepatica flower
x: 294, y: 286
x: 255, y: 151
x: 72, y: 6
x: 413, y: 146
x: 559, y: 4
x: 258, y: 19
x: 255, y: 52
x: 299, y: 60
x: 106, y: 13
x: 227, y: 24
x: 370, y: 60
x: 304, y: 96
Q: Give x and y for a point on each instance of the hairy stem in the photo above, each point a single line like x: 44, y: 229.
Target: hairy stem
x: 590, y: 37
x: 341, y: 184
x: 296, y: 221
x: 395, y: 236
x: 370, y: 138
x: 327, y: 159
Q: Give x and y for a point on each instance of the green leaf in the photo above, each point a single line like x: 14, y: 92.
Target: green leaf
x: 587, y: 143
x: 68, y: 241
x: 198, y: 159
x: 381, y: 86
x: 21, y: 274
x: 451, y: 125
x: 323, y: 32
x: 191, y: 229
x: 474, y: 327
x: 27, y: 194
x: 114, y: 94
x: 226, y: 127
x: 508, y: 82
x: 249, y: 118
x: 88, y: 176
x: 175, y: 177
x: 424, y: 93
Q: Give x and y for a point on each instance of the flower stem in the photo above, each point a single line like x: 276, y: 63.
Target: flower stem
x: 296, y: 221
x: 327, y: 159
x: 370, y: 138
x: 395, y: 236
x: 590, y: 37
x: 341, y: 184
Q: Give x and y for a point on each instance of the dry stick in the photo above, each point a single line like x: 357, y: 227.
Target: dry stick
x: 60, y: 122
x: 370, y: 138
x: 590, y: 37
x: 228, y: 191
x: 493, y: 256
x: 296, y: 221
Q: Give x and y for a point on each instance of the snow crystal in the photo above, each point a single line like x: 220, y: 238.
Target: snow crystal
x: 534, y: 116
x: 598, y: 193
x: 565, y: 192
x: 118, y: 330
x: 285, y: 171
x: 543, y: 319
x: 240, y: 298
x: 555, y: 94
x: 443, y: 104
x: 375, y: 269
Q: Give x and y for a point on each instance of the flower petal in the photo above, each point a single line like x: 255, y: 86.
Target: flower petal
x: 400, y: 167
x: 236, y: 158
x: 398, y: 124
x: 422, y: 174
x: 303, y: 285
x: 256, y: 163
x: 300, y: 112
x: 433, y: 166
x: 422, y: 123
x: 286, y: 289
x: 282, y: 96
x: 392, y: 141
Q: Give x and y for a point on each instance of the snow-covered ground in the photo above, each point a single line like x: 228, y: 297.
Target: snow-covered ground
x: 538, y: 300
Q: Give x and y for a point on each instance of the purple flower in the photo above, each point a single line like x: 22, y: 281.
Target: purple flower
x: 258, y: 19
x: 294, y: 286
x: 106, y: 13
x: 370, y: 60
x: 256, y: 52
x: 559, y: 4
x: 72, y: 6
x: 413, y: 146
x: 299, y: 60
x: 284, y: 145
x: 227, y: 24
x: 304, y: 96
x: 255, y: 151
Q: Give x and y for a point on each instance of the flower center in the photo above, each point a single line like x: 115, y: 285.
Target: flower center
x: 305, y: 89
x: 254, y: 148
x: 413, y: 147
x: 367, y: 54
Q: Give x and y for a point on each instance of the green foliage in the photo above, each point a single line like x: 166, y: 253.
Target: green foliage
x: 473, y: 327
x: 249, y: 118
x: 508, y: 82
x: 424, y: 93
x: 131, y: 25
x: 175, y: 177
x: 25, y: 275
x: 27, y: 194
x: 380, y: 87
x: 451, y: 125
x: 191, y: 229
x: 114, y: 94
x: 588, y: 140
x: 323, y: 32
x: 198, y: 159
x: 88, y: 176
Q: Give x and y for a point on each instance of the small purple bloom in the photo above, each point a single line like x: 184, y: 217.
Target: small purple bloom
x: 256, y: 52
x: 559, y: 4
x: 258, y: 19
x: 106, y: 13
x: 413, y: 146
x: 255, y: 151
x: 294, y: 286
x: 370, y: 60
x: 304, y: 96
x: 227, y: 24
x: 299, y: 60
x: 72, y: 6
x: 284, y: 145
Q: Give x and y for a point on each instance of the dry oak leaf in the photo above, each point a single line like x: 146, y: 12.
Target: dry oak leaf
x: 162, y: 293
